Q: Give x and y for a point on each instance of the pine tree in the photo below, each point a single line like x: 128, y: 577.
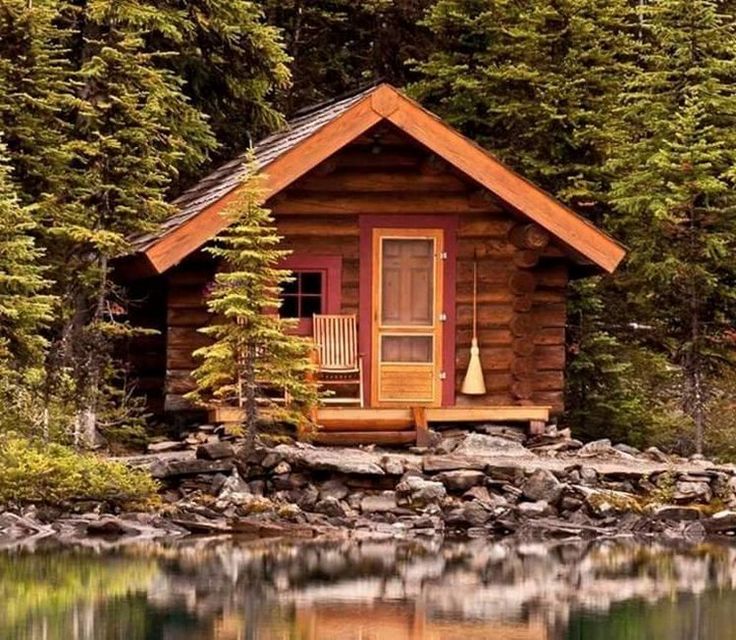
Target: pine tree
x: 232, y: 62
x: 534, y: 81
x: 537, y: 82
x: 252, y: 346
x: 674, y: 191
x: 25, y: 307
x: 338, y: 45
x: 131, y: 131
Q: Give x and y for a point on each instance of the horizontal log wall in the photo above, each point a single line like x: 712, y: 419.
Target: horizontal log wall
x: 186, y: 313
x: 522, y: 279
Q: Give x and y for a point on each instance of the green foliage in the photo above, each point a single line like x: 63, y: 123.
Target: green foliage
x: 337, y: 45
x: 31, y: 471
x: 252, y: 345
x: 673, y: 192
x: 534, y: 81
x: 616, y: 388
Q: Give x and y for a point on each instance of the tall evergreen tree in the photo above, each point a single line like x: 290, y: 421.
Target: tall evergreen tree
x: 537, y: 81
x: 232, y: 62
x: 24, y: 306
x: 252, y: 344
x: 674, y: 190
x: 337, y: 45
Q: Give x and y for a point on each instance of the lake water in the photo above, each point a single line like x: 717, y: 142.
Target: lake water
x: 223, y: 589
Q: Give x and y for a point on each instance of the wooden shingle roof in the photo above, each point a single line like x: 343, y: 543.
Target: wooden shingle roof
x: 314, y: 135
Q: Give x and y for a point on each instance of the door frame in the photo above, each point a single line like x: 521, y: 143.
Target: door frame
x: 448, y: 224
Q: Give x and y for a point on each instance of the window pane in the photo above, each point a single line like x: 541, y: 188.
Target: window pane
x: 406, y: 349
x: 289, y: 307
x: 310, y: 306
x: 311, y: 282
x: 291, y: 287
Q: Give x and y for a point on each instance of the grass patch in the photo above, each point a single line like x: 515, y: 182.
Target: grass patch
x: 35, y: 472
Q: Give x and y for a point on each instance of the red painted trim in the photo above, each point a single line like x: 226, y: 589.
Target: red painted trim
x: 448, y: 223
x: 331, y: 266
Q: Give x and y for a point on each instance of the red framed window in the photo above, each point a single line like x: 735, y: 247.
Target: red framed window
x: 314, y: 288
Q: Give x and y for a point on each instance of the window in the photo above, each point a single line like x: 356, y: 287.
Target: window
x: 315, y: 288
x: 303, y: 296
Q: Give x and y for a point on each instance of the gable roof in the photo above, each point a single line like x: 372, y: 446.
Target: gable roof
x: 314, y: 135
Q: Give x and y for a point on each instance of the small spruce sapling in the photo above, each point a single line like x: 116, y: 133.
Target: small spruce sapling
x: 252, y: 347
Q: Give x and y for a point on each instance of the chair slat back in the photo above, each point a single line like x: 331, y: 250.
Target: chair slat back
x: 336, y: 338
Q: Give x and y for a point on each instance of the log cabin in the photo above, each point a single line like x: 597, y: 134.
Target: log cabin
x: 397, y: 220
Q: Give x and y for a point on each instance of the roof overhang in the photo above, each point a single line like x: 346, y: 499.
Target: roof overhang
x: 385, y: 103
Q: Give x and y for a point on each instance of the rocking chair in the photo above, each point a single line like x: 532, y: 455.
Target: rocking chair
x: 338, y: 361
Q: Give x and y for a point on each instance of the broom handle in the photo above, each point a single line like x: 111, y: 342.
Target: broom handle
x: 475, y: 297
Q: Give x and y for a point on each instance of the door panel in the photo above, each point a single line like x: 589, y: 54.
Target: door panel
x: 407, y: 329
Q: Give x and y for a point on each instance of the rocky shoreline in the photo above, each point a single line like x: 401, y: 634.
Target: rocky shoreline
x: 489, y: 484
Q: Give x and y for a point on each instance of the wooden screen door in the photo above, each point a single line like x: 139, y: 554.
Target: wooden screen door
x: 407, y: 317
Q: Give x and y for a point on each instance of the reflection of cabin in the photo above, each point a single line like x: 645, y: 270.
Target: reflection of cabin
x: 385, y: 207
x: 348, y: 621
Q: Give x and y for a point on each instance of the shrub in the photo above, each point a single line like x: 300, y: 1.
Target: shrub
x: 31, y: 471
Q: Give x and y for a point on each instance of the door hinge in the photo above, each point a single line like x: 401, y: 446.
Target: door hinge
x: 443, y: 375
x: 443, y: 255
x: 443, y: 317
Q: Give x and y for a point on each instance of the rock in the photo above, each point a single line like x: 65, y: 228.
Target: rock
x: 533, y: 509
x: 655, y: 454
x: 108, y: 527
x: 393, y: 466
x: 215, y: 451
x: 281, y: 468
x: 692, y: 491
x: 347, y: 461
x: 308, y: 498
x: 332, y: 507
x: 234, y: 484
x: 588, y: 475
x: 460, y: 480
x: 189, y: 467
x: 166, y: 445
x: 570, y: 503
x: 379, y: 503
x: 481, y: 494
x: 596, y: 448
x: 418, y: 491
x: 516, y: 434
x: 475, y: 514
x: 721, y: 522
x: 542, y: 485
x: 625, y: 448
x: 270, y: 460
x: 333, y: 489
x: 452, y: 462
x: 478, y: 444
x: 674, y: 512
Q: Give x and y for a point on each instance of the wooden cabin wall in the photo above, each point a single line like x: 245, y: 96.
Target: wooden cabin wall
x: 521, y: 306
x: 145, y: 355
x: 186, y: 313
x: 521, y: 316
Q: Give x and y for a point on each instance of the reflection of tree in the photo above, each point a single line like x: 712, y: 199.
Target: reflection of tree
x: 52, y: 589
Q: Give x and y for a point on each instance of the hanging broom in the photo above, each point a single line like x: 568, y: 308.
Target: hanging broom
x: 474, y: 384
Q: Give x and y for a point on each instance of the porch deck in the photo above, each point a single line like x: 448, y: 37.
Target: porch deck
x: 396, y: 426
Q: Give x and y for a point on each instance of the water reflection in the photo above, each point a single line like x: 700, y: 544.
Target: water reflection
x: 271, y: 590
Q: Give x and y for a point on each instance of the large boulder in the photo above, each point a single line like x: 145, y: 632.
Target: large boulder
x: 478, y: 444
x: 347, y: 461
x: 542, y: 485
x: 461, y: 479
x: 379, y: 503
x: 215, y: 451
x: 417, y: 491
x: 686, y: 491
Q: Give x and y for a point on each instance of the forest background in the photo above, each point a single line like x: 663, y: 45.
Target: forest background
x: 624, y: 109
